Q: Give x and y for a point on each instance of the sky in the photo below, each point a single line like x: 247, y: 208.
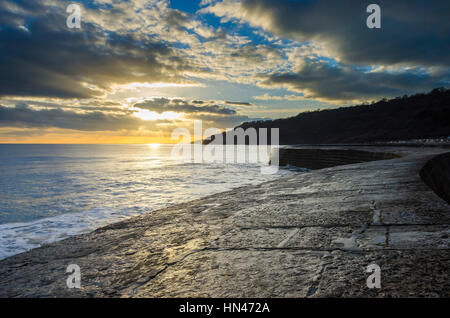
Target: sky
x: 136, y: 70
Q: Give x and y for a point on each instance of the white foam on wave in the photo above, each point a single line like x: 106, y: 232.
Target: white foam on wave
x: 120, y: 181
x: 16, y: 238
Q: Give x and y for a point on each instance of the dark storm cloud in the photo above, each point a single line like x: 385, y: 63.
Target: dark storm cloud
x: 87, y: 105
x: 238, y: 103
x: 181, y: 106
x: 26, y: 117
x: 40, y: 56
x: 340, y: 83
x: 414, y: 32
x: 23, y: 116
x: 224, y: 121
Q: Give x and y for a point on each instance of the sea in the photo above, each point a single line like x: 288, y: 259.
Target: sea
x: 51, y: 192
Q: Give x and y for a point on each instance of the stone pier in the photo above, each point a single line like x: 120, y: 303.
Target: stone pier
x: 307, y: 235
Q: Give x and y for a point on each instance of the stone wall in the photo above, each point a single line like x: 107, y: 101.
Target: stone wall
x: 325, y: 158
x: 436, y: 174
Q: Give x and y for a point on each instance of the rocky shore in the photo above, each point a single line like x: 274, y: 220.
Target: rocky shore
x: 308, y: 235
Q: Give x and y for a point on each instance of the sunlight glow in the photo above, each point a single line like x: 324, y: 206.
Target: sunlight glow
x: 154, y: 146
x: 146, y: 114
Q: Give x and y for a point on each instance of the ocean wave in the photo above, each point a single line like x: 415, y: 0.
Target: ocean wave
x: 16, y: 238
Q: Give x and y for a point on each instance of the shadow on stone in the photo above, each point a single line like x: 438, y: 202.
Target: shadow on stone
x: 314, y: 159
x: 436, y: 174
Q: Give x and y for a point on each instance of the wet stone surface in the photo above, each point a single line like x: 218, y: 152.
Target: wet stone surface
x: 308, y: 235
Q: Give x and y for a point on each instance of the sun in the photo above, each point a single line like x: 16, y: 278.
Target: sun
x: 154, y: 146
x: 146, y: 114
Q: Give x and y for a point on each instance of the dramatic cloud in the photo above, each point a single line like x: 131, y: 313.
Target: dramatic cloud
x: 40, y: 56
x: 322, y: 81
x: 178, y: 105
x: 148, y: 66
x: 238, y: 103
x: 24, y: 116
x: 224, y: 122
x: 117, y: 119
x: 413, y: 32
x: 266, y: 96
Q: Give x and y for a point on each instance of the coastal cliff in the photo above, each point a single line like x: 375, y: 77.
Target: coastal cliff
x: 403, y: 118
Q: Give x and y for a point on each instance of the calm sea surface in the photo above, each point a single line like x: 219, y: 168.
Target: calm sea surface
x: 50, y: 192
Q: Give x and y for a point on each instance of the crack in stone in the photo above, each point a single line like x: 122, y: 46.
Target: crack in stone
x: 326, y: 226
x: 317, y: 279
x: 387, y: 236
x: 165, y: 267
x: 145, y: 281
x: 287, y: 239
